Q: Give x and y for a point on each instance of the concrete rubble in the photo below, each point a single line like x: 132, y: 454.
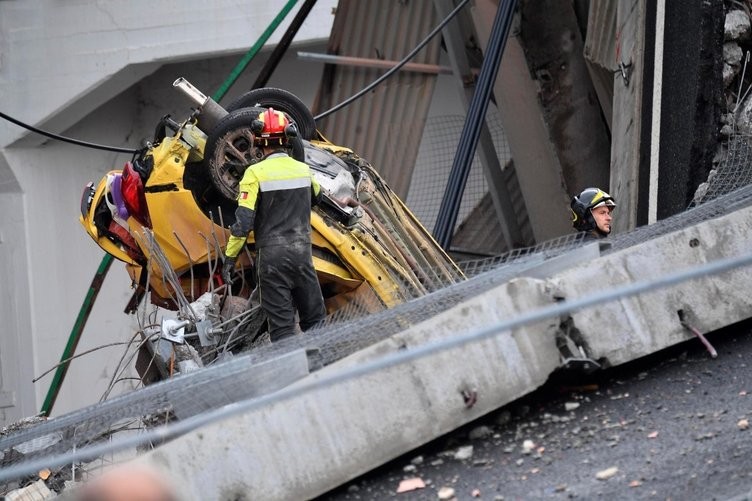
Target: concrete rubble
x: 736, y: 35
x: 38, y: 491
x: 736, y: 26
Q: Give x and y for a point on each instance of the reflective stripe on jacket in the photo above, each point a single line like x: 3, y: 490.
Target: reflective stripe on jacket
x: 279, y: 191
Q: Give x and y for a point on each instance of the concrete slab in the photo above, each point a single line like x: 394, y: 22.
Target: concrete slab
x: 297, y: 449
x: 552, y: 266
x: 37, y: 491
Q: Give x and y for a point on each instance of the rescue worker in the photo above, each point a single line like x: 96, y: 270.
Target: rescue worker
x: 591, y: 213
x: 275, y: 199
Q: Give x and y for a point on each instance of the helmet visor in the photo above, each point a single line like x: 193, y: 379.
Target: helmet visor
x: 607, y: 202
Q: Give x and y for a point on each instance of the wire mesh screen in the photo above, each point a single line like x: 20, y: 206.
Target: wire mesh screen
x: 435, y: 157
x: 727, y: 189
x: 432, y: 167
x: 344, y: 333
x: 731, y: 173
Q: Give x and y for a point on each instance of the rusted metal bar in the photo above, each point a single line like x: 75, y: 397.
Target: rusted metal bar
x: 685, y: 323
x: 364, y: 62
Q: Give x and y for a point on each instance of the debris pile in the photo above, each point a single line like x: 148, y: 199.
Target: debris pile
x: 736, y: 105
x: 736, y: 74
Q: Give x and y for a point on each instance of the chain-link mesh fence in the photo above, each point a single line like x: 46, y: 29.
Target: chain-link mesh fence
x: 732, y: 172
x: 477, y: 218
x: 344, y: 333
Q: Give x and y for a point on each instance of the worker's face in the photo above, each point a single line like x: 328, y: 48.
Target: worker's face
x: 602, y: 217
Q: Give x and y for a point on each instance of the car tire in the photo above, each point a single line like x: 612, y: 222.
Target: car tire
x: 282, y: 100
x: 229, y: 150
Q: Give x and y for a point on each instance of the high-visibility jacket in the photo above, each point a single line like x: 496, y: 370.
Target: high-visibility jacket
x: 275, y: 199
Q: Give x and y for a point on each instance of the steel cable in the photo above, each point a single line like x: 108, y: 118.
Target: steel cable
x: 64, y: 139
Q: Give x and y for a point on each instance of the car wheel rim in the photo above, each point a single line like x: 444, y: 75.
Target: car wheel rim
x: 233, y: 154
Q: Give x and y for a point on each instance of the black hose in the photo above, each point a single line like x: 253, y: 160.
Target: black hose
x: 58, y: 137
x: 476, y: 114
x: 396, y: 67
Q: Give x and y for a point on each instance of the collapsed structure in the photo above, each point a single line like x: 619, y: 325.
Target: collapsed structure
x: 640, y: 152
x: 394, y: 380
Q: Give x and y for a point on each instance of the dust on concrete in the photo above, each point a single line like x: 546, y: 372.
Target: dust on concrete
x: 669, y: 426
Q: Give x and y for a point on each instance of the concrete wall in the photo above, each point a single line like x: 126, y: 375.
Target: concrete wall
x: 16, y: 364
x: 60, y: 261
x: 101, y: 72
x: 63, y: 55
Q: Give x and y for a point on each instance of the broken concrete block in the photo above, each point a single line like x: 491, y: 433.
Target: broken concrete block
x: 410, y: 484
x: 736, y: 26
x: 729, y: 72
x: 732, y: 53
x: 38, y: 491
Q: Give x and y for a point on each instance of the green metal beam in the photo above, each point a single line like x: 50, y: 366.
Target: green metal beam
x: 235, y: 74
x: 75, y: 335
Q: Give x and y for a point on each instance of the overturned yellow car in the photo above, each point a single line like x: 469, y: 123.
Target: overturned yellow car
x: 166, y: 215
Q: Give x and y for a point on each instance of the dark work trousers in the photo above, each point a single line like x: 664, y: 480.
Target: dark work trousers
x: 287, y: 280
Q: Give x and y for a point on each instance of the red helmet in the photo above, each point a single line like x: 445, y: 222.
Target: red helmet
x: 269, y: 128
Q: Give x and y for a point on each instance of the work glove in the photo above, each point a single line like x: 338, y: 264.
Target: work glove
x: 227, y: 268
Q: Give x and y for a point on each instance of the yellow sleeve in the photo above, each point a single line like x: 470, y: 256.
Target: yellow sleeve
x: 248, y: 190
x: 235, y: 245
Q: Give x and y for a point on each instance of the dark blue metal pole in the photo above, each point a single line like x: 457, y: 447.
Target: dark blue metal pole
x: 476, y: 114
